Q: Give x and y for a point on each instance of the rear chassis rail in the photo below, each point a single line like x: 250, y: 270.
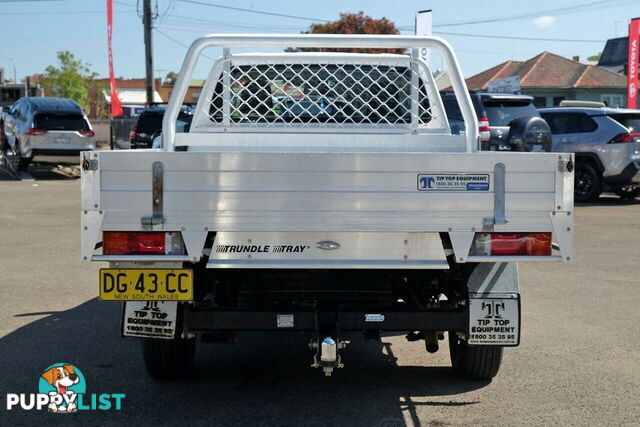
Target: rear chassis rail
x: 199, y: 320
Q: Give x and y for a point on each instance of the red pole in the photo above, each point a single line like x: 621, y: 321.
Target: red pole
x: 116, y: 107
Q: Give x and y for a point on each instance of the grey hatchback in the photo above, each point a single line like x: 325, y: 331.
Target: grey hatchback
x: 607, y: 146
x: 46, y: 130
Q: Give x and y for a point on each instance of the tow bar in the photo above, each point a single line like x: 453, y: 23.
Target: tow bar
x: 326, y: 355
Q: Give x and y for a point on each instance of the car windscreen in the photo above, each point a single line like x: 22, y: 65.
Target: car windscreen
x: 630, y: 121
x: 501, y: 113
x: 50, y: 121
x: 152, y: 123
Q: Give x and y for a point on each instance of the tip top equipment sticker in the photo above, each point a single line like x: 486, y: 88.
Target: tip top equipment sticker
x: 453, y: 182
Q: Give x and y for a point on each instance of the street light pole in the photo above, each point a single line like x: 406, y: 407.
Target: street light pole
x: 147, y: 20
x: 15, y: 79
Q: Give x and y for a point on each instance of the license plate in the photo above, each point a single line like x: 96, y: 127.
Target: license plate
x: 149, y: 319
x: 146, y: 284
x: 494, y: 321
x: 62, y: 140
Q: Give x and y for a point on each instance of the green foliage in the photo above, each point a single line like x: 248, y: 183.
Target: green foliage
x: 71, y: 78
x: 171, y: 78
x: 595, y: 57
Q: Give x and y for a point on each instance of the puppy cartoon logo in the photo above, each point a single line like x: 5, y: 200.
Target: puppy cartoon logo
x: 63, y: 383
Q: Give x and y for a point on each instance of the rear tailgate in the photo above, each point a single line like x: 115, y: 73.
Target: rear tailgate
x: 361, y: 193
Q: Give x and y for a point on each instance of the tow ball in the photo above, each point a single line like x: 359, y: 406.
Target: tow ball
x: 326, y: 355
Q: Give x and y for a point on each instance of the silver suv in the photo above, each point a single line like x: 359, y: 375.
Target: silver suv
x: 607, y: 146
x: 47, y: 130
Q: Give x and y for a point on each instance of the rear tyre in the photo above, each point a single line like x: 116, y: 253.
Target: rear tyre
x: 169, y: 359
x: 627, y: 192
x: 588, y: 183
x: 474, y: 362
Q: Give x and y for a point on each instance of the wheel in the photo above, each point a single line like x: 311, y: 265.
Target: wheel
x: 169, y: 359
x: 474, y: 362
x: 627, y: 192
x: 588, y: 183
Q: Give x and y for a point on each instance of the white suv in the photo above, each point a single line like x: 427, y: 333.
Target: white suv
x: 47, y: 130
x: 606, y: 142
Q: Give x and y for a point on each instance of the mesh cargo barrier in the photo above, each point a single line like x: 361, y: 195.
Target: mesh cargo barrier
x: 322, y: 95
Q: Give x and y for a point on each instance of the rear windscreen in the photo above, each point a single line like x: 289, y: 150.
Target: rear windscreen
x: 61, y: 122
x: 630, y: 121
x: 501, y: 113
x: 150, y: 123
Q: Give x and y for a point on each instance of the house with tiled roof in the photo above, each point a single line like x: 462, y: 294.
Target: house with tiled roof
x: 552, y: 78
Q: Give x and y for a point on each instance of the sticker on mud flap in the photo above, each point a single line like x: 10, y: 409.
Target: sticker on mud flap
x: 494, y: 321
x: 149, y: 319
x: 453, y: 182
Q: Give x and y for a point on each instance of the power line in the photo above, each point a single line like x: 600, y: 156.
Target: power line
x: 191, y: 22
x: 179, y: 42
x: 572, y: 8
x: 260, y: 12
x: 594, y: 5
x: 27, y: 1
x: 84, y: 12
x: 491, y: 36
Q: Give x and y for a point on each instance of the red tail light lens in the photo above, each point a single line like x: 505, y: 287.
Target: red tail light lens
x: 484, y: 129
x: 133, y: 243
x: 37, y: 131
x: 513, y: 244
x: 142, y: 243
x: 626, y: 137
x: 87, y: 132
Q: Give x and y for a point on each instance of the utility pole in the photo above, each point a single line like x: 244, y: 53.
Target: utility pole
x: 147, y: 20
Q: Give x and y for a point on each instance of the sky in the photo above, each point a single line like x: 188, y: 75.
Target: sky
x: 32, y: 31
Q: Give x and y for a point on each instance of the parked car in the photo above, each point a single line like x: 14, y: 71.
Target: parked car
x: 507, y: 122
x: 47, y: 130
x: 149, y: 125
x: 607, y: 146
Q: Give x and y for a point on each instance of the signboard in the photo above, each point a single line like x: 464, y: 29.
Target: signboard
x: 150, y: 319
x: 494, y: 321
x: 632, y: 63
x: 505, y: 85
x: 423, y: 28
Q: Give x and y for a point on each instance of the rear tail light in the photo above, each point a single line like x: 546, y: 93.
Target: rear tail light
x: 134, y: 131
x: 484, y: 129
x: 142, y: 243
x: 626, y: 137
x: 497, y: 244
x: 37, y: 131
x: 87, y: 132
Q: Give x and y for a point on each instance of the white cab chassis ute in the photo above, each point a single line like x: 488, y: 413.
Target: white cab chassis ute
x: 325, y: 193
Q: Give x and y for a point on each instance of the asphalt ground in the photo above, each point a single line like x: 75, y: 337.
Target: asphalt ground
x: 578, y: 362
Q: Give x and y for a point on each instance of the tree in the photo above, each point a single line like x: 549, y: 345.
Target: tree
x: 171, y: 78
x: 71, y: 78
x: 595, y: 57
x: 353, y: 23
